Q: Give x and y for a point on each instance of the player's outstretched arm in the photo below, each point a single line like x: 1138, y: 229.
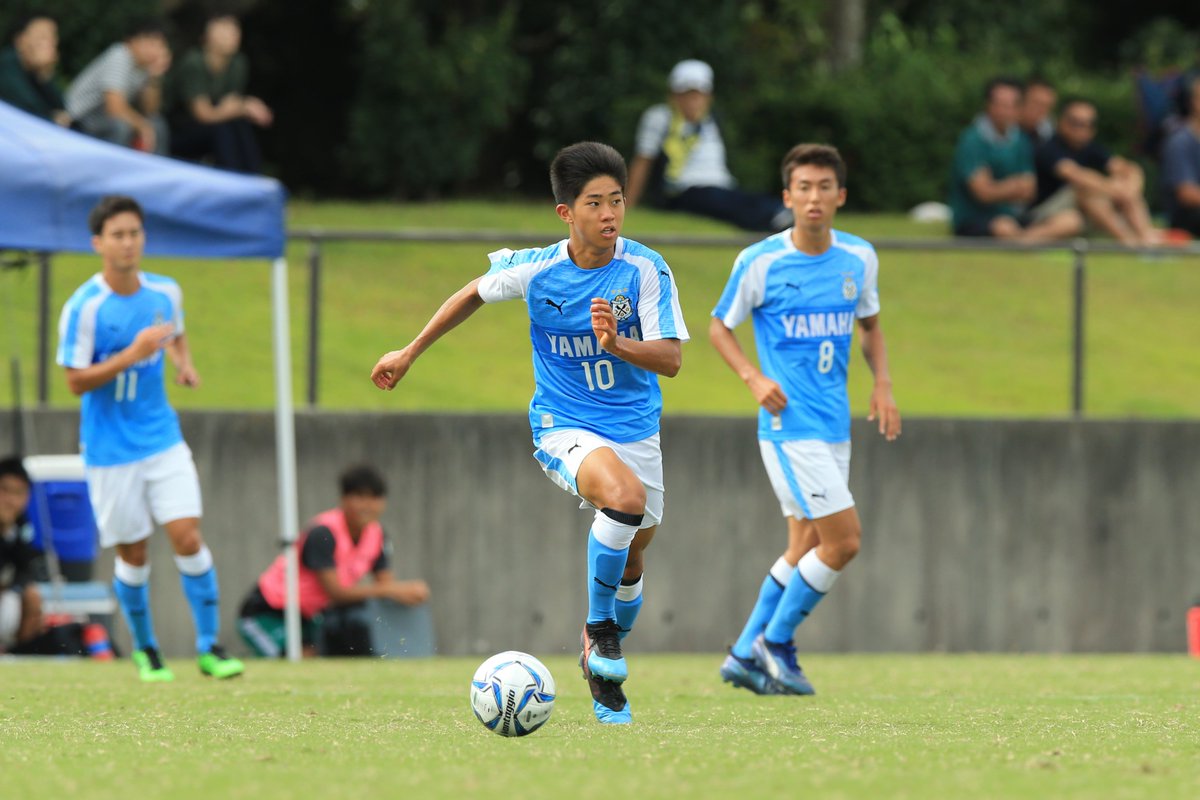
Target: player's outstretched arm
x: 661, y: 356
x: 147, y: 341
x: 767, y: 393
x: 393, y: 366
x: 883, y: 405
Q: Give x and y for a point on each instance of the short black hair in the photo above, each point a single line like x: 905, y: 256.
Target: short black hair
x: 362, y: 479
x: 1038, y: 80
x: 23, y: 21
x: 13, y: 465
x: 146, y: 26
x: 1002, y: 80
x: 579, y: 163
x: 1076, y: 100
x: 819, y: 155
x: 108, y: 207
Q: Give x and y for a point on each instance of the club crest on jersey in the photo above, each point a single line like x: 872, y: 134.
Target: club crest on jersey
x: 622, y: 308
x: 849, y: 288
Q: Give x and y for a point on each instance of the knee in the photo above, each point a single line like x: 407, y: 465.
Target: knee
x: 628, y: 497
x: 849, y: 548
x: 187, y: 540
x: 842, y: 551
x: 1072, y: 222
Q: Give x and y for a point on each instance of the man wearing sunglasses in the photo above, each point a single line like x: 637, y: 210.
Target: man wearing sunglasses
x: 1075, y: 170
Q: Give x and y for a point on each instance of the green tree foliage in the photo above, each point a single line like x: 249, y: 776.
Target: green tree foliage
x: 435, y: 81
x: 414, y: 98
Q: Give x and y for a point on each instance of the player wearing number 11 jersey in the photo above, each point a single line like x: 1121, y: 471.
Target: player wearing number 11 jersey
x: 113, y: 335
x: 805, y: 288
x: 605, y: 322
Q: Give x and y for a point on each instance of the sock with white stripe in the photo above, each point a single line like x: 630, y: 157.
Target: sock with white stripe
x: 814, y: 578
x: 773, y: 586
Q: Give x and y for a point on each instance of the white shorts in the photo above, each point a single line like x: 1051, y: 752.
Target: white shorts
x: 810, y: 477
x: 128, y: 499
x: 562, y: 451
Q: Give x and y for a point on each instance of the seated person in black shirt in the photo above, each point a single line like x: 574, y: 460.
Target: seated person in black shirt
x: 1073, y: 169
x: 20, y: 602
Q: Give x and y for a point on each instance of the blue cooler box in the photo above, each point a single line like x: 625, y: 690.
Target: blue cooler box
x: 60, y: 498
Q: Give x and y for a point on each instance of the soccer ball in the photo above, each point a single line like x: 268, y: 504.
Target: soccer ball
x: 512, y: 693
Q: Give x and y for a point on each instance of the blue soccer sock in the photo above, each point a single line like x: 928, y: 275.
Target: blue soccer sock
x: 131, y: 585
x: 608, y: 549
x: 628, y: 604
x: 813, y: 580
x: 773, y: 586
x: 199, y: 579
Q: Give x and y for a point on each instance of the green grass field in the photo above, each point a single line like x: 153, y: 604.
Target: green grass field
x: 968, y: 334
x: 931, y: 726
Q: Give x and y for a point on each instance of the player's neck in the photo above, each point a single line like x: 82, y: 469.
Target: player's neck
x: 122, y: 281
x: 812, y: 242
x: 586, y: 257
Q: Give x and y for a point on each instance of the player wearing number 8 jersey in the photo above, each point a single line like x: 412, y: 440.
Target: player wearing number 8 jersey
x: 805, y: 288
x: 113, y: 333
x: 605, y: 321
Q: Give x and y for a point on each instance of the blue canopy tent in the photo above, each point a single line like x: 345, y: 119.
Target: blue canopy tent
x: 50, y: 178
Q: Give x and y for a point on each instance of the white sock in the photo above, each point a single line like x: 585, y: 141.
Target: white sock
x: 198, y: 563
x: 130, y: 575
x: 630, y: 592
x: 782, y: 572
x: 817, y: 573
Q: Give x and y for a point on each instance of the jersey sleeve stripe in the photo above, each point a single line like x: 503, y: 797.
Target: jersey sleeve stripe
x: 510, y: 273
x: 77, y: 328
x: 868, y: 303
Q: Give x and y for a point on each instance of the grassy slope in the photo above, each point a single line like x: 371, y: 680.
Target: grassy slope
x: 881, y: 726
x: 969, y: 334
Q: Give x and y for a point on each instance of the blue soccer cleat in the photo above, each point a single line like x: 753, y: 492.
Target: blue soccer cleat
x: 601, y: 643
x: 746, y: 674
x: 778, y: 660
x: 608, y: 698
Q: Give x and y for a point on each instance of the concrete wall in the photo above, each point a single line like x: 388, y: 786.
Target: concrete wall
x: 979, y: 535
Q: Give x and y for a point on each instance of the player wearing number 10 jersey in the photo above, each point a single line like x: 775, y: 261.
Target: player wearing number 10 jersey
x: 805, y: 288
x: 605, y: 322
x: 113, y: 334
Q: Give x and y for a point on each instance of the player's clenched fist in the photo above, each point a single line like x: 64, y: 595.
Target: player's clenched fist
x: 390, y: 368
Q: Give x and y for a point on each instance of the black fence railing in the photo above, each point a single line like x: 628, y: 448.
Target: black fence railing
x: 318, y: 237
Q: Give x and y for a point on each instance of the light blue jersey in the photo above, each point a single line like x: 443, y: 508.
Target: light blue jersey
x: 128, y: 418
x: 578, y: 384
x: 804, y: 308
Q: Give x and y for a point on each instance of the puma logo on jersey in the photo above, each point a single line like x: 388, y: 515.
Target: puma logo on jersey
x: 556, y: 306
x: 572, y: 447
x: 795, y: 286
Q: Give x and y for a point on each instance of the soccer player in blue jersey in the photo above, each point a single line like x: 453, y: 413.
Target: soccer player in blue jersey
x: 605, y: 322
x: 804, y: 288
x: 113, y: 334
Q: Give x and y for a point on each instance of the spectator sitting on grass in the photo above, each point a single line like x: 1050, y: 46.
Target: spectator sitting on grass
x: 992, y: 176
x: 1181, y: 168
x: 118, y: 95
x: 1074, y: 170
x: 27, y: 69
x: 680, y: 159
x: 210, y: 112
x: 1037, y: 111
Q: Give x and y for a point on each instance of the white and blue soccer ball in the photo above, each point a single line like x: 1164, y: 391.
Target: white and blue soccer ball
x: 512, y: 693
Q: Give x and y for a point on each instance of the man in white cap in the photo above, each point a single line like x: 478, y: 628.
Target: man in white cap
x: 679, y: 162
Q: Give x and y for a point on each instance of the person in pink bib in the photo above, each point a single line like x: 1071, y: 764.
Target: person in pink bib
x: 338, y: 549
